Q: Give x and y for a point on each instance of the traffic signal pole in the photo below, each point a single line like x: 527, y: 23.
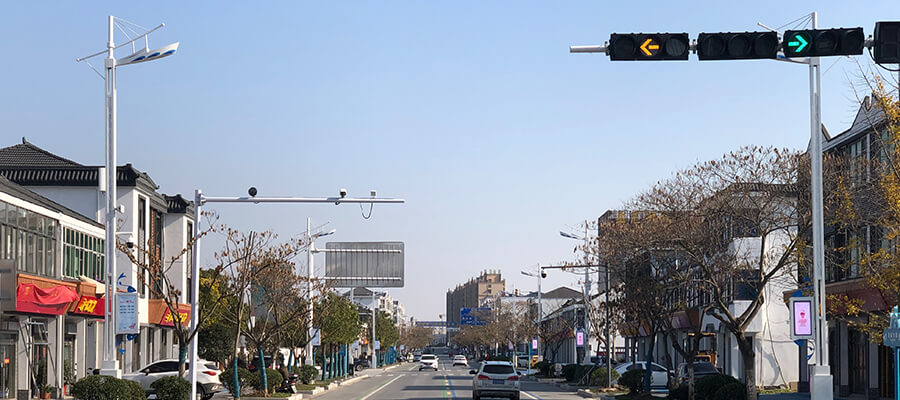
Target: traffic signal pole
x: 821, y: 381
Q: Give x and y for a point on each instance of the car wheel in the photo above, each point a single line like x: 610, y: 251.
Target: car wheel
x: 202, y: 393
x: 515, y: 397
x: 359, y: 367
x: 475, y: 396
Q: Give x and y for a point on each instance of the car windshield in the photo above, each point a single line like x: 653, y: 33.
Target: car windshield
x: 498, y: 369
x: 704, y: 368
x: 428, y: 357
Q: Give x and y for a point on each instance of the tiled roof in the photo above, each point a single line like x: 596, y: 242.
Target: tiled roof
x: 562, y: 292
x: 29, y: 155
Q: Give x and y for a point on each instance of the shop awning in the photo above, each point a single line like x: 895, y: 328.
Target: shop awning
x: 54, y: 300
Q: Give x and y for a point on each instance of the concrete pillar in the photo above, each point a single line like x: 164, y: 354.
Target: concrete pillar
x: 81, y: 346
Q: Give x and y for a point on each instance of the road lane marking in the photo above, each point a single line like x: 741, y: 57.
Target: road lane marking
x: 379, y: 388
x: 530, y: 396
x: 449, y: 383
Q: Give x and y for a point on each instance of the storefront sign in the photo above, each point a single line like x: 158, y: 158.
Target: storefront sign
x: 53, y: 301
x: 168, y: 319
x: 89, y: 305
x: 127, y: 313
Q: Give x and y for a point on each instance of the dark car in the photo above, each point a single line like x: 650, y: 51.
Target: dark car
x: 360, y: 364
x: 254, y: 365
x: 701, y: 369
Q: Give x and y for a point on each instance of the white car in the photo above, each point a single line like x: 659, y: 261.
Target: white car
x: 208, y: 382
x: 659, y: 375
x: 460, y: 360
x: 429, y: 361
x: 495, y: 379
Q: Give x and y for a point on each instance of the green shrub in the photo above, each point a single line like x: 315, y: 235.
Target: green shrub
x: 543, y: 368
x: 633, y: 380
x: 99, y: 387
x: 171, y: 388
x: 707, y: 386
x: 134, y: 390
x: 599, y: 376
x: 273, y: 378
x: 246, y: 378
x: 679, y: 393
x: 307, y: 374
x: 731, y: 391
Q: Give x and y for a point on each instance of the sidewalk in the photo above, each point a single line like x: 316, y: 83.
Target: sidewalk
x: 792, y: 396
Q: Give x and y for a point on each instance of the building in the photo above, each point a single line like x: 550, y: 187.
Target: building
x: 150, y: 220
x: 860, y: 365
x: 472, y: 293
x: 51, y: 303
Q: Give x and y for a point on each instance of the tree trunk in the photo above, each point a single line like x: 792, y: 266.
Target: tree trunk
x: 690, y: 376
x: 236, y: 378
x: 263, y: 376
x: 648, y: 371
x: 182, y: 358
x: 749, y: 360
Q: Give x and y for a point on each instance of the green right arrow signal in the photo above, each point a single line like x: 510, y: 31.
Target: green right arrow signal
x: 799, y: 42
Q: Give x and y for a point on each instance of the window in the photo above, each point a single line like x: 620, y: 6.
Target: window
x: 156, y: 249
x: 82, y: 255
x: 857, y: 161
x: 29, y: 238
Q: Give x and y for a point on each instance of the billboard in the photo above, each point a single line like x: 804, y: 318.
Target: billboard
x: 364, y: 264
x: 802, y: 316
x: 474, y: 316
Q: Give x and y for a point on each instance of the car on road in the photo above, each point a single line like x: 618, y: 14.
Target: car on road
x: 495, y: 379
x: 360, y: 364
x: 208, y: 383
x: 701, y: 369
x: 429, y: 361
x: 659, y: 375
x: 417, y: 356
x: 460, y: 360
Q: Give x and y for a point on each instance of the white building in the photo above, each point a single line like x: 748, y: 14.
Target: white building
x: 160, y: 223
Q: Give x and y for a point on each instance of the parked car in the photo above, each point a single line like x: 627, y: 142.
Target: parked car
x: 417, y: 356
x: 208, y: 383
x: 495, y: 379
x: 254, y: 364
x: 701, y: 369
x: 360, y: 364
x: 460, y: 360
x: 659, y: 375
x: 429, y: 361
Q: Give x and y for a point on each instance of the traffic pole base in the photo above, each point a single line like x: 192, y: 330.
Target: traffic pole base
x: 821, y: 383
x: 111, y: 368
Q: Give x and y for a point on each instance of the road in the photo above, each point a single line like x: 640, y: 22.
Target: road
x: 406, y: 382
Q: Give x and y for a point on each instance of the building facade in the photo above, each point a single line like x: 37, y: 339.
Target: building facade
x: 156, y: 225
x: 473, y: 293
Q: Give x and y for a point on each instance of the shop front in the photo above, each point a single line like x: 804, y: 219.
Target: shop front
x: 160, y: 340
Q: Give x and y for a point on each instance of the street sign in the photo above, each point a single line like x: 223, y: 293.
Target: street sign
x: 891, y: 335
x: 127, y: 313
x: 474, y: 316
x: 317, y: 337
x: 579, y: 338
x: 534, y: 344
x: 802, y: 315
x: 437, y: 324
x: 377, y: 344
x: 364, y: 264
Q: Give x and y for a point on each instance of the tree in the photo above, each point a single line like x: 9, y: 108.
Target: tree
x: 385, y: 330
x: 338, y: 321
x: 417, y: 337
x: 740, y: 224
x: 215, y: 341
x: 159, y: 271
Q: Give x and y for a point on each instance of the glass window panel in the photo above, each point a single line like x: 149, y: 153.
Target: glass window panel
x: 33, y: 221
x: 29, y: 253
x: 51, y: 257
x: 2, y: 212
x: 39, y: 255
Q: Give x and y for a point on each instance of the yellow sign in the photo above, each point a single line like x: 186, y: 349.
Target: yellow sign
x: 648, y: 46
x: 87, y: 305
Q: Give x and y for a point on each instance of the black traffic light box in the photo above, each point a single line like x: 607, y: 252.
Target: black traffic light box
x: 737, y: 45
x: 887, y: 42
x: 823, y: 42
x: 648, y: 46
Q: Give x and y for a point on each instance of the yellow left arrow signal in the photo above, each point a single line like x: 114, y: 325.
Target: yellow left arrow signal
x: 647, y: 46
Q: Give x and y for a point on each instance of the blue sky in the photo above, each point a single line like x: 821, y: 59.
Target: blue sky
x: 473, y: 111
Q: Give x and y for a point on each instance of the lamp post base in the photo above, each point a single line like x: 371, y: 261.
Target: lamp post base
x: 111, y: 368
x: 821, y: 383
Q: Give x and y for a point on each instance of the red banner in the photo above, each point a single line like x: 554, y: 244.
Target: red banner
x: 53, y: 301
x: 168, y: 319
x: 89, y: 305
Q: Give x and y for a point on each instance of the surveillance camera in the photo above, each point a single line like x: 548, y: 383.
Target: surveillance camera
x: 129, y: 244
x: 252, y: 191
x: 343, y: 193
x: 373, y: 193
x: 543, y: 274
x: 120, y: 209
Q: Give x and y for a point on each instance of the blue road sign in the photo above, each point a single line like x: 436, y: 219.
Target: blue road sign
x: 474, y: 316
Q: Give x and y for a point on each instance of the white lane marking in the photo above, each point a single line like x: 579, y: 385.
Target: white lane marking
x: 528, y: 394
x: 379, y: 388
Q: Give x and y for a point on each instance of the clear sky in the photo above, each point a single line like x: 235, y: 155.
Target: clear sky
x: 472, y: 111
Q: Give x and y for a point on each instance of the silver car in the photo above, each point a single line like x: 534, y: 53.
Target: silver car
x: 495, y: 379
x: 208, y: 382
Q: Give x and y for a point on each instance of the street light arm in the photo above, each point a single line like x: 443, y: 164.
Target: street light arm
x: 104, y: 51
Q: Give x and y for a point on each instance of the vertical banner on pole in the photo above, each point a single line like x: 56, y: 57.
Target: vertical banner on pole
x: 891, y: 338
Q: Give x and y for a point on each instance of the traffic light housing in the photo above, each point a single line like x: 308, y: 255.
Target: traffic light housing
x: 737, y: 45
x: 823, y: 42
x: 887, y: 42
x: 648, y: 46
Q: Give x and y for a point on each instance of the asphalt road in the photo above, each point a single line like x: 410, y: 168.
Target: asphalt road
x: 406, y: 382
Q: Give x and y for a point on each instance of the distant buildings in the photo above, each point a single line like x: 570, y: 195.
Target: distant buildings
x: 473, y: 293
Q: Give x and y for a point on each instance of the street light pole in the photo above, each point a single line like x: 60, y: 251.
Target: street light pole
x: 309, y: 306
x: 587, y: 296
x: 540, y: 314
